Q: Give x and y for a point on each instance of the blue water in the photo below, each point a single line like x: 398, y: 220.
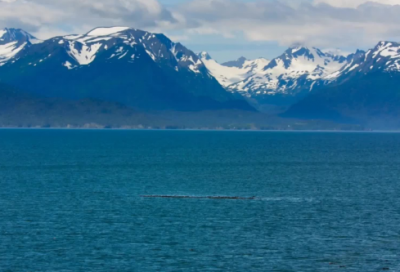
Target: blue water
x: 71, y: 201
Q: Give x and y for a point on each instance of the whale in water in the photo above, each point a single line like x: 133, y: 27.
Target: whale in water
x: 201, y: 197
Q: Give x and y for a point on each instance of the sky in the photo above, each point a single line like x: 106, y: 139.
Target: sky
x: 227, y: 29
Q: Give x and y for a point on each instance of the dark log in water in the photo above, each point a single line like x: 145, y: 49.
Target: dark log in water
x: 201, y: 197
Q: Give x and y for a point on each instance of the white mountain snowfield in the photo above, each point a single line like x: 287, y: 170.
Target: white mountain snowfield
x: 279, y: 75
x: 9, y: 50
x: 227, y: 76
x: 133, y: 67
x: 385, y: 56
x: 10, y: 45
x: 104, y: 31
x: 83, y: 49
x: 297, y: 70
x: 2, y: 33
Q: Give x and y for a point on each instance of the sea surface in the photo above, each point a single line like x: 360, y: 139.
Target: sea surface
x: 72, y: 201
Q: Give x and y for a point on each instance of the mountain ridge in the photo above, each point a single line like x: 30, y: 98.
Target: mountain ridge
x: 274, y: 85
x: 367, y: 88
x: 12, y: 41
x: 230, y: 72
x: 140, y: 69
x: 148, y: 72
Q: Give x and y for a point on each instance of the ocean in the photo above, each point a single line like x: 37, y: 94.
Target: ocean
x: 73, y: 200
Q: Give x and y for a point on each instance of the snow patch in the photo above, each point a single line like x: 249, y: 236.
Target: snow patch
x: 35, y: 41
x: 9, y: 50
x: 123, y: 55
x: 366, y: 55
x: 294, y: 50
x: 312, y: 85
x: 227, y: 76
x: 194, y: 68
x: 99, y: 39
x: 282, y: 75
x: 106, y: 31
x: 2, y: 33
x: 72, y: 37
x: 151, y: 55
x: 86, y: 55
x: 68, y: 65
x: 354, y: 67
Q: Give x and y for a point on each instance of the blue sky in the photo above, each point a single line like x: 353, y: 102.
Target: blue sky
x: 227, y: 29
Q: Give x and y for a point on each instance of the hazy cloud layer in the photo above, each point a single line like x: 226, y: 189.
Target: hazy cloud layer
x: 356, y: 3
x: 319, y: 23
x: 51, y: 16
x: 325, y: 23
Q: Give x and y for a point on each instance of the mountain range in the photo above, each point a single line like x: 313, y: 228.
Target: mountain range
x: 280, y: 82
x: 147, y: 72
x: 366, y: 89
x: 307, y: 83
x: 139, y: 69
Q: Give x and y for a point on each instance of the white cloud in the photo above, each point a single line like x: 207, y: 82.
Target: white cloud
x: 324, y: 23
x: 46, y: 16
x: 355, y: 3
x: 177, y: 38
x: 320, y: 23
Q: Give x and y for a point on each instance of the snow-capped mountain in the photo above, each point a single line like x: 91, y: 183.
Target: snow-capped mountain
x: 123, y: 43
x: 367, y: 87
x: 232, y: 72
x: 294, y: 71
x: 274, y: 85
x: 12, y: 41
x: 121, y: 64
x: 384, y: 57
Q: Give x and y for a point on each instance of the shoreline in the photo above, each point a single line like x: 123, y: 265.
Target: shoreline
x: 199, y: 129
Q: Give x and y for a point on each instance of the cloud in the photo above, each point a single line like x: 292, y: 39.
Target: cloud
x: 322, y: 23
x: 177, y: 38
x: 355, y: 3
x: 48, y: 16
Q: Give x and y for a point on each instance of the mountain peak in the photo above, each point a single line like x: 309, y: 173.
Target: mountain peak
x: 105, y: 31
x: 383, y: 50
x: 297, y: 47
x: 235, y: 63
x: 304, y: 51
x: 204, y: 55
x: 386, y: 44
x: 119, y: 64
x: 15, y: 34
x: 12, y: 41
